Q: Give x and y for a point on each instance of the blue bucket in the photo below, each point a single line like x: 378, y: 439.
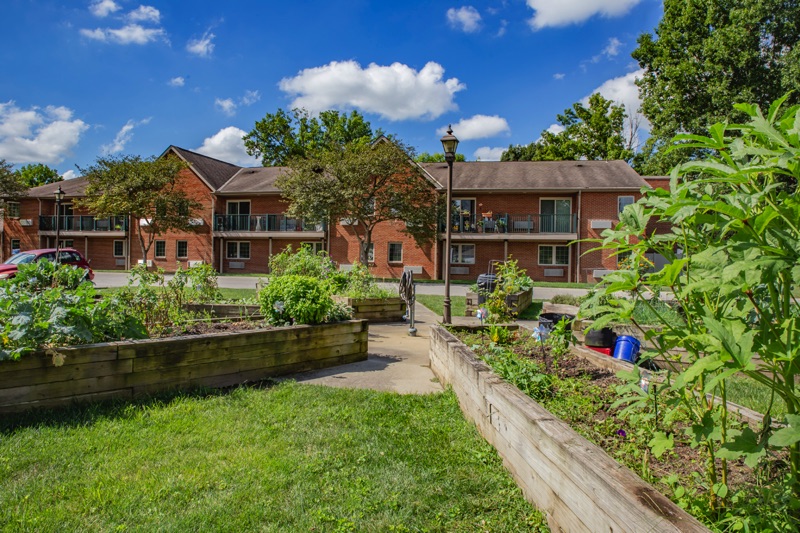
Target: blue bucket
x: 627, y: 348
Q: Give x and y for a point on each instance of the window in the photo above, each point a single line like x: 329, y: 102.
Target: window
x: 238, y: 215
x: 553, y: 255
x: 161, y: 249
x: 462, y: 254
x: 15, y: 244
x: 622, y: 201
x: 371, y: 253
x: 624, y: 259
x: 66, y: 244
x: 395, y: 252
x: 12, y: 209
x: 183, y: 249
x: 238, y: 250
x: 119, y: 248
x: 556, y: 215
x: 463, y: 213
x: 315, y: 247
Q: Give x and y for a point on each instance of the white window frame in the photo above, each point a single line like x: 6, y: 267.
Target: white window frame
x: 389, y: 252
x: 553, y: 255
x: 620, y: 207
x: 371, y: 253
x: 458, y: 258
x: 178, y: 249
x: 12, y: 209
x: 114, y: 248
x: 238, y: 203
x: 316, y: 246
x: 238, y: 254
x: 155, y: 250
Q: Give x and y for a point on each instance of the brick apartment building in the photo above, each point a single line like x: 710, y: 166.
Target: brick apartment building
x: 529, y: 211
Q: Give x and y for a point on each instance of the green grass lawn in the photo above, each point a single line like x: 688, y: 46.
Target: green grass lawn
x: 458, y: 306
x: 288, y: 458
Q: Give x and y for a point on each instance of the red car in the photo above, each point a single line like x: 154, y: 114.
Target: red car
x: 68, y: 256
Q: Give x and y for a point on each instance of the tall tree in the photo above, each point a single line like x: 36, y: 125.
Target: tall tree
x: 436, y: 157
x: 10, y: 187
x: 365, y: 183
x: 593, y: 132
x: 147, y: 190
x: 37, y: 174
x: 281, y: 136
x: 707, y: 55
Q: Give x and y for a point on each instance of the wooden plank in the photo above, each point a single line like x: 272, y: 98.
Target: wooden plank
x: 68, y: 372
x: 67, y: 401
x: 76, y: 387
x: 72, y: 355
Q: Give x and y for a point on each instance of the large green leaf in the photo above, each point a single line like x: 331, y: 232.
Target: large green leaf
x: 788, y: 435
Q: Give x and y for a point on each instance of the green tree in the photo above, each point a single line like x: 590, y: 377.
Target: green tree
x: 10, y: 187
x: 365, y: 183
x: 282, y: 136
x: 147, y: 190
x: 593, y: 132
x: 37, y: 174
x: 705, y: 56
x: 437, y: 157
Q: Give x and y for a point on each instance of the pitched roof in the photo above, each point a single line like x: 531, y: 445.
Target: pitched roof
x: 213, y: 171
x: 538, y: 175
x: 258, y: 180
x: 72, y: 188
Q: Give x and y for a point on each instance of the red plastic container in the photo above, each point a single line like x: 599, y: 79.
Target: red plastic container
x: 604, y: 351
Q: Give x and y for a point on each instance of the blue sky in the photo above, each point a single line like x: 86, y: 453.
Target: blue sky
x: 81, y: 79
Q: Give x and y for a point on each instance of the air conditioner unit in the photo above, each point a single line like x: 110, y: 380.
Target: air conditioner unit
x: 25, y: 222
x: 601, y: 224
x: 195, y: 221
x: 194, y: 263
x: 141, y: 262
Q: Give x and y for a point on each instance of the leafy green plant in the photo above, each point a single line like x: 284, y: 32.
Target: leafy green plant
x: 303, y: 262
x: 560, y: 339
x: 46, y: 306
x: 295, y: 299
x: 733, y: 255
x: 500, y: 334
x: 361, y: 284
x: 566, y: 299
x: 510, y: 280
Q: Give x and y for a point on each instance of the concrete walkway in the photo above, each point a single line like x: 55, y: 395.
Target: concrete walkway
x: 396, y: 362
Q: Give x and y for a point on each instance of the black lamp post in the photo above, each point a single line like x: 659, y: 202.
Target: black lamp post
x: 449, y: 143
x: 59, y: 194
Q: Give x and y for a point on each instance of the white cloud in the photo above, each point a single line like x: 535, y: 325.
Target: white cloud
x: 227, y: 145
x: 145, y: 14
x: 622, y: 90
x: 555, y: 129
x: 486, y: 153
x: 478, y: 127
x: 396, y: 92
x: 202, y: 47
x: 465, y: 18
x: 555, y: 13
x: 227, y: 106
x: 69, y: 174
x: 612, y: 48
x: 38, y: 135
x: 559, y: 76
x: 123, y: 137
x: 129, y: 34
x: 103, y: 8
x: 503, y: 27
x: 178, y: 81
x: 250, y: 97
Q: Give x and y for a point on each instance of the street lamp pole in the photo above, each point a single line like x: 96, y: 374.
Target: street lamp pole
x: 449, y: 144
x: 59, y: 194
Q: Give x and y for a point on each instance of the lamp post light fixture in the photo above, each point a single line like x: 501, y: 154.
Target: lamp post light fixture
x: 450, y: 144
x: 59, y: 194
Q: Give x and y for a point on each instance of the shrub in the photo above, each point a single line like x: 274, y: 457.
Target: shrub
x: 303, y: 262
x: 361, y: 284
x: 295, y: 299
x: 566, y: 299
x: 510, y: 279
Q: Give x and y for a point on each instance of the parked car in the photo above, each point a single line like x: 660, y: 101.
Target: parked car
x: 67, y: 256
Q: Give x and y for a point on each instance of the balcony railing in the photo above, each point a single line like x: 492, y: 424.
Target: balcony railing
x: 263, y: 223
x: 83, y: 223
x: 516, y: 224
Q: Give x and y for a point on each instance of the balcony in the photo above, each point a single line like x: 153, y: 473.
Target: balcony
x: 519, y: 226
x: 80, y: 224
x: 265, y: 225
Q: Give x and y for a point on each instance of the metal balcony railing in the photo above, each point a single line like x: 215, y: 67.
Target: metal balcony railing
x: 263, y: 223
x: 509, y: 223
x: 83, y: 223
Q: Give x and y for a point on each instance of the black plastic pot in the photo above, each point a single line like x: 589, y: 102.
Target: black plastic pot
x: 549, y: 320
x: 600, y: 338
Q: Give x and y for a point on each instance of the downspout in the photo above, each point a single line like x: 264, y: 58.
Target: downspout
x: 39, y: 232
x: 578, y: 245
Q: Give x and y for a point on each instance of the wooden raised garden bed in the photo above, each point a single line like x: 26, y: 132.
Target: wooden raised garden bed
x: 130, y: 368
x: 519, y: 301
x: 577, y: 484
x: 233, y: 311
x: 375, y: 309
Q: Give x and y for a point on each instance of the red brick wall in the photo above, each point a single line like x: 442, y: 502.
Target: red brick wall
x: 27, y: 235
x: 258, y: 263
x: 345, y: 250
